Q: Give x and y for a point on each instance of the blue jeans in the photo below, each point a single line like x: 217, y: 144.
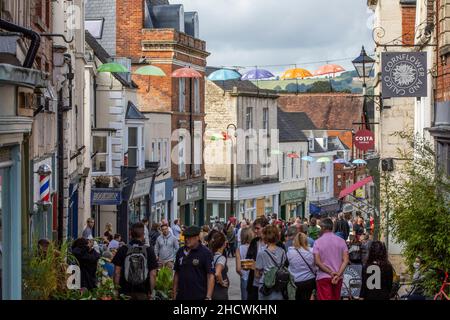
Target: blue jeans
x: 244, y: 289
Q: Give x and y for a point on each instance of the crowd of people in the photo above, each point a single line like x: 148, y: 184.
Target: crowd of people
x: 301, y: 259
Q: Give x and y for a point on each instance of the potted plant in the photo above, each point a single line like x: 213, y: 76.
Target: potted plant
x: 102, y: 182
x: 116, y: 182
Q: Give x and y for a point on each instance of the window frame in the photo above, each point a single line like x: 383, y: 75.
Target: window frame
x: 108, y: 154
x: 181, y: 95
x: 140, y: 154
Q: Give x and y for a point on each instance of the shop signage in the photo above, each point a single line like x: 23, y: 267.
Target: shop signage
x: 193, y: 193
x: 106, y: 196
x: 293, y: 196
x: 190, y: 193
x: 364, y: 140
x: 142, y: 188
x: 404, y: 74
x: 160, y: 192
x: 128, y: 175
x: 352, y: 279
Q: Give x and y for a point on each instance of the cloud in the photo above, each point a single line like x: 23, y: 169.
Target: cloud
x: 273, y: 32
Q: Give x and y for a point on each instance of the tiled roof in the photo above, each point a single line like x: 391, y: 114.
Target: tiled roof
x: 290, y: 126
x: 329, y: 111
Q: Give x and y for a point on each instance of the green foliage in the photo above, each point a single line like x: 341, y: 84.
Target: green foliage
x: 418, y: 199
x: 44, y: 274
x: 164, y: 283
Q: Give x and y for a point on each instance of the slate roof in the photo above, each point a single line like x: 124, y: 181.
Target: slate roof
x: 290, y: 126
x: 104, y: 57
x: 133, y: 113
x: 335, y: 143
x: 330, y: 111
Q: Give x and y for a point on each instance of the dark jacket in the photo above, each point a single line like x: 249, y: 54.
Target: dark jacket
x: 343, y: 227
x: 153, y: 235
x: 384, y: 293
x: 87, y: 261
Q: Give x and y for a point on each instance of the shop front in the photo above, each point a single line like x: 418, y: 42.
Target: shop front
x: 191, y: 203
x: 139, y: 204
x: 162, y: 201
x: 105, y: 202
x: 324, y: 208
x: 292, y: 204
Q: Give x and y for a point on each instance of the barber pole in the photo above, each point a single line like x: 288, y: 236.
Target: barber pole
x: 44, y: 172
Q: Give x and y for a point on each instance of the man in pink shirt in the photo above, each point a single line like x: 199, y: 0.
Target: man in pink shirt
x: 331, y: 256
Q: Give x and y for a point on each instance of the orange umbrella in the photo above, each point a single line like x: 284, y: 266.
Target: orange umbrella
x: 186, y: 72
x: 329, y: 69
x: 296, y: 73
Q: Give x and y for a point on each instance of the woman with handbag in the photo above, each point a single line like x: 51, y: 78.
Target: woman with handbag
x: 218, y: 244
x: 302, y: 267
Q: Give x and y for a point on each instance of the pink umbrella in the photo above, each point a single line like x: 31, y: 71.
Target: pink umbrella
x: 186, y: 72
x: 329, y: 69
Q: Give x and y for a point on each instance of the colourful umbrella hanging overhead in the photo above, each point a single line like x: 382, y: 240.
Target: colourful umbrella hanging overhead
x: 293, y: 155
x: 339, y: 161
x: 328, y: 69
x: 308, y: 158
x: 359, y: 161
x: 186, y: 72
x: 224, y: 75
x: 275, y: 152
x: 112, y: 67
x: 257, y: 74
x: 297, y: 73
x: 323, y: 160
x: 149, y: 71
x: 220, y: 136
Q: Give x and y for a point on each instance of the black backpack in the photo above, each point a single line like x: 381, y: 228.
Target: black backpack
x: 282, y: 276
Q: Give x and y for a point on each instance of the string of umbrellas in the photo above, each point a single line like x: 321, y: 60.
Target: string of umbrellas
x: 309, y: 159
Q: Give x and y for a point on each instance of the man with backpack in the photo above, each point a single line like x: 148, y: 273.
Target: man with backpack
x: 135, y: 266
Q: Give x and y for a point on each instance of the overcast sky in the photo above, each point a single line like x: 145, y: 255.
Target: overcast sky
x: 273, y: 32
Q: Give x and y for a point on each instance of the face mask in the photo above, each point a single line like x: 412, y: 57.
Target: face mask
x: 416, y: 265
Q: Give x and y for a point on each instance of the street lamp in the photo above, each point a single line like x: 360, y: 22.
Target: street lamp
x: 232, y: 171
x: 363, y: 65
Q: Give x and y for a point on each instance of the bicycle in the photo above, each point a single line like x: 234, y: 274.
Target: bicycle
x: 442, y: 294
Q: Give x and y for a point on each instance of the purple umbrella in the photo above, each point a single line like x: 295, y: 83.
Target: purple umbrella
x: 257, y: 74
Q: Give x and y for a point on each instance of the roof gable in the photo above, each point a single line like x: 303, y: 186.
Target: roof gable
x: 133, y: 113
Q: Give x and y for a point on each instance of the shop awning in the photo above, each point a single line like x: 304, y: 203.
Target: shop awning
x: 355, y: 187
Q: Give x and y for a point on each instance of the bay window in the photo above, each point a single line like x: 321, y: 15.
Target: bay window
x: 135, y: 146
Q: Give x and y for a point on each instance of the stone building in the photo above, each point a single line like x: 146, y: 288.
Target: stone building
x: 254, y: 113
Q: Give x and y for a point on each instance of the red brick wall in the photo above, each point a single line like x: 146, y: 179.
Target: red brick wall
x: 408, y: 24
x: 41, y: 21
x: 167, y: 44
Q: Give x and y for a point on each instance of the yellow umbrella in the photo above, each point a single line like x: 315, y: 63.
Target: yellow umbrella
x: 296, y: 74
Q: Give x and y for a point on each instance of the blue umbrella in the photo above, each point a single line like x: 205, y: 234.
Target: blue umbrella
x: 308, y: 158
x: 257, y: 74
x: 224, y: 75
x: 359, y: 161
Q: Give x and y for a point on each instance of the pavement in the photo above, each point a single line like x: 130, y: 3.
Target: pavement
x: 234, y: 291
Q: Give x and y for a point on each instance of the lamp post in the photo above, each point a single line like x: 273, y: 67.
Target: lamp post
x: 363, y: 65
x: 232, y: 171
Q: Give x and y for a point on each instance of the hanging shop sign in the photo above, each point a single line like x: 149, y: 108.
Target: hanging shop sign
x: 190, y: 193
x: 404, y: 74
x: 128, y: 175
x: 106, y: 197
x: 364, y: 140
x: 142, y: 188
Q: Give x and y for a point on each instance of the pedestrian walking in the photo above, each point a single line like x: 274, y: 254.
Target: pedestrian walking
x: 87, y: 232
x: 166, y: 247
x: 291, y: 233
x: 135, y: 266
x: 176, y: 229
x: 153, y: 234
x: 218, y: 245
x: 304, y: 229
x: 271, y: 257
x: 302, y: 267
x: 313, y: 230
x: 243, y: 225
x: 115, y: 242
x: 87, y: 257
x: 341, y: 227
x: 194, y: 272
x: 256, y: 246
x: 241, y: 252
x: 377, y: 258
x: 331, y: 256
x: 107, y: 265
x: 231, y: 239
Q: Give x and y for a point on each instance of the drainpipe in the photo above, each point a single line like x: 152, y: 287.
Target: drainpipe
x: 33, y: 36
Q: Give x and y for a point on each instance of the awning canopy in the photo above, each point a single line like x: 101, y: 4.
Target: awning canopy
x: 355, y: 187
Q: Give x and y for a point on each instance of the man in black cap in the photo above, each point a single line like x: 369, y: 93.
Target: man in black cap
x: 194, y: 272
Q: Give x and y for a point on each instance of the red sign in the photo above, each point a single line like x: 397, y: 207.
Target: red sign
x: 364, y: 140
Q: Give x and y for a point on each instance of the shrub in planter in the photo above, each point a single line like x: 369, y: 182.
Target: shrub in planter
x: 102, y: 182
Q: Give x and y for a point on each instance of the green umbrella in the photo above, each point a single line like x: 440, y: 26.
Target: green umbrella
x: 275, y: 152
x: 150, y: 71
x: 112, y: 67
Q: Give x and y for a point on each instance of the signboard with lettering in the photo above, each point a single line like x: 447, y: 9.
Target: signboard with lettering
x: 141, y: 188
x: 292, y: 196
x: 352, y: 280
x: 404, y: 74
x: 190, y: 193
x: 160, y: 192
x: 364, y: 140
x: 106, y: 196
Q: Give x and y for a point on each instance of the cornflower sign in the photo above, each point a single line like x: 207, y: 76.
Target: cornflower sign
x: 404, y: 74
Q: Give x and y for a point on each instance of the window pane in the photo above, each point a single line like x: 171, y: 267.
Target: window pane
x: 132, y: 137
x: 100, y: 145
x: 99, y: 163
x: 95, y: 27
x: 132, y: 156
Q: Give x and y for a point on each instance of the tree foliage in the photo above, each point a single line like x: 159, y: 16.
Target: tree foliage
x: 417, y: 197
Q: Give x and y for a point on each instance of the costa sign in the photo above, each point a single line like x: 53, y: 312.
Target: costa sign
x: 364, y: 140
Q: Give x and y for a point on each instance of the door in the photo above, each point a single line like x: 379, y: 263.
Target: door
x: 260, y: 207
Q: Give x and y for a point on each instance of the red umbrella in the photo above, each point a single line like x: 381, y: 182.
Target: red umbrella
x: 293, y: 155
x: 186, y: 72
x: 329, y: 69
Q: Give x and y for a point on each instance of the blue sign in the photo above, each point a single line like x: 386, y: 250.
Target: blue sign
x: 162, y: 191
x: 106, y: 197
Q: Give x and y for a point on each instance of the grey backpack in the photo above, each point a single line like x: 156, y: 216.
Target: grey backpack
x: 136, y: 268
